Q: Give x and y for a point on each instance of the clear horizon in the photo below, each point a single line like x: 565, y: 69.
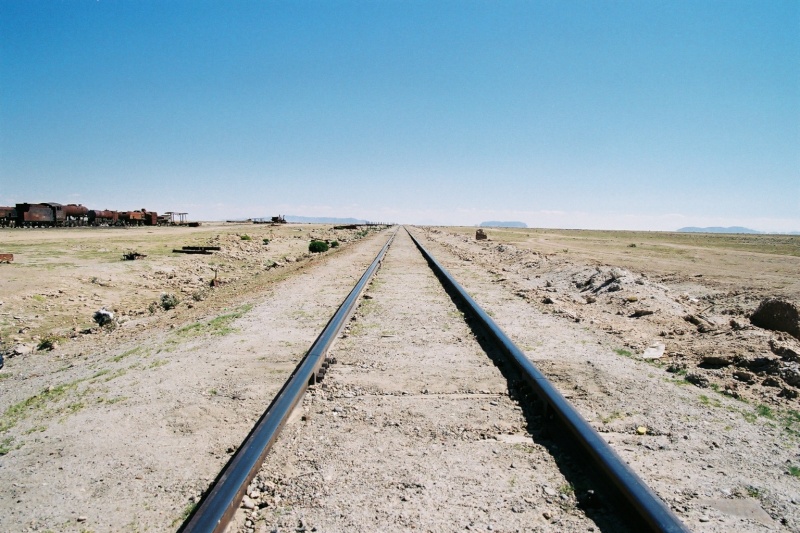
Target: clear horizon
x: 593, y: 115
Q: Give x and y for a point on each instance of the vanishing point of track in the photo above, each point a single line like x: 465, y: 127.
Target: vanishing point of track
x: 467, y: 346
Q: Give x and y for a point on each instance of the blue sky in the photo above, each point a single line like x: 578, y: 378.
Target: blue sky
x: 581, y: 114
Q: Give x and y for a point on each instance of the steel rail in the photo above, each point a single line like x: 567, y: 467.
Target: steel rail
x: 217, y: 508
x: 644, y: 501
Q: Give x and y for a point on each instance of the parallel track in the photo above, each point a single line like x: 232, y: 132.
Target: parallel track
x: 640, y: 506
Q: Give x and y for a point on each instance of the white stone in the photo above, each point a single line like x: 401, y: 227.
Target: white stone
x: 654, y: 351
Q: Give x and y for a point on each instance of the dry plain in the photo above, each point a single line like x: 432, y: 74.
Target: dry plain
x: 120, y: 429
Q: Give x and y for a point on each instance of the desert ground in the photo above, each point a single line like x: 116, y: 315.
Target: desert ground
x: 122, y: 427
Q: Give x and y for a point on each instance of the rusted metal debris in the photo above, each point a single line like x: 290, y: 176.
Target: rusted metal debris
x: 6, y: 258
x: 196, y: 252
x: 202, y: 250
x: 480, y: 235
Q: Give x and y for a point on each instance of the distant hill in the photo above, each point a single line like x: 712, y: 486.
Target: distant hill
x: 498, y: 224
x: 732, y: 229
x: 324, y: 220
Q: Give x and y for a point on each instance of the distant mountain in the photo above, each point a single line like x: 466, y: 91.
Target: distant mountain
x: 324, y: 220
x: 732, y: 229
x: 498, y: 224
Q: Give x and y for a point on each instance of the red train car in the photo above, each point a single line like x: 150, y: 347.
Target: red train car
x: 34, y: 215
x: 104, y: 217
x: 131, y: 218
x: 150, y: 218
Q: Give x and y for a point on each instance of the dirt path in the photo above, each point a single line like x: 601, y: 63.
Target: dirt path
x: 125, y: 437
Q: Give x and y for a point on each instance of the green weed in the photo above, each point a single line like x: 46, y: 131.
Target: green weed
x: 123, y: 355
x: 612, y: 416
x: 5, y: 445
x: 21, y: 410
x: 220, y: 325
x: 118, y: 373
x: 114, y: 400
x: 187, y: 511
x: 713, y: 402
x: 317, y: 247
x: 765, y: 411
x: 753, y: 492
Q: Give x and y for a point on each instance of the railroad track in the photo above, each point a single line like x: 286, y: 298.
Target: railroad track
x: 423, y: 417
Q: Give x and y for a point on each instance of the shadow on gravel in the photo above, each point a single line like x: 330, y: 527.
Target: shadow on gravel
x: 596, y: 496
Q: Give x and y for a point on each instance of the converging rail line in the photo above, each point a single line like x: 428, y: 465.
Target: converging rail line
x: 428, y: 450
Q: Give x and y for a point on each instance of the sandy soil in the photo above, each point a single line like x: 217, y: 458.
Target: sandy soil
x: 122, y: 430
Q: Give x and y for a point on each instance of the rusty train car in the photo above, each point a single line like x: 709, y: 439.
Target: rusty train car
x: 49, y: 214
x: 143, y: 217
x: 52, y: 214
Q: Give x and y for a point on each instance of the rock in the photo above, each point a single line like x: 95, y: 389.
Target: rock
x: 247, y: 503
x: 771, y: 382
x: 697, y: 379
x: 745, y: 377
x: 703, y: 326
x: 676, y: 367
x: 641, y: 312
x: 21, y: 349
x: 82, y: 518
x: 789, y: 394
x: 785, y: 352
x: 715, y: 361
x: 654, y: 351
x: 480, y: 235
x: 777, y: 315
x: 548, y: 300
x: 737, y: 325
x: 590, y: 299
x: 791, y: 375
x: 550, y: 491
x: 764, y: 364
x: 103, y: 316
